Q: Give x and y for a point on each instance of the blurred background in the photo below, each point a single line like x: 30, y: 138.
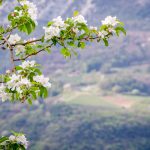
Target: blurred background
x: 100, y: 100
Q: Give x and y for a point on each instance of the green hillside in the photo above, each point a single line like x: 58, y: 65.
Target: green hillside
x: 85, y: 122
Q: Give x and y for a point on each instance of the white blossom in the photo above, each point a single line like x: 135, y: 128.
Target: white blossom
x: 19, y: 49
x: 75, y: 30
x: 12, y: 138
x: 16, y: 82
x: 92, y: 28
x: 32, y: 39
x: 20, y: 13
x: 43, y: 80
x: 110, y: 21
x: 32, y: 9
x: 8, y: 71
x: 102, y: 34
x: 111, y: 30
x: 14, y: 38
x: 27, y: 63
x: 79, y: 19
x: 22, y: 139
x: 58, y: 22
x: 13, y: 83
x: 51, y: 31
x: 3, y: 95
x: 25, y: 81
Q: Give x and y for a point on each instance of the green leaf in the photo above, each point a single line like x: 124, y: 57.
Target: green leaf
x: 1, y: 2
x: 50, y: 23
x: 2, y: 30
x: 17, y: 8
x: 21, y: 147
x: 103, y: 27
x: 120, y: 29
x: 71, y: 43
x: 65, y: 52
x: 43, y: 92
x: 75, y: 13
x: 33, y: 94
x: 48, y: 50
x: 23, y: 28
x: 121, y: 23
x: 38, y: 71
x: 29, y: 101
x: 106, y: 42
x: 10, y: 17
x: 28, y: 27
x: 81, y: 45
x: 42, y: 39
x: 2, y: 139
x: 18, y: 68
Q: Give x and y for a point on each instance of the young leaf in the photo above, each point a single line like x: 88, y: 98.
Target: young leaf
x: 29, y: 101
x: 75, y: 13
x: 106, y: 42
x: 2, y: 139
x: 81, y: 45
x: 120, y: 29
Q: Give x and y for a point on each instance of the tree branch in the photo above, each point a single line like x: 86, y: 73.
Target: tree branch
x: 20, y: 59
x: 11, y: 53
x: 28, y: 42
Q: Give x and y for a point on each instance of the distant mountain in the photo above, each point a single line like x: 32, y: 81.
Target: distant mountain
x: 74, y: 127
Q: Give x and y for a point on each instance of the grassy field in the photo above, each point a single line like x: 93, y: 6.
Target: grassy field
x: 91, y: 96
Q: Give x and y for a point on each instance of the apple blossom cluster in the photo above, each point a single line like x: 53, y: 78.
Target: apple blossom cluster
x: 109, y: 20
x: 3, y: 94
x: 54, y: 30
x: 42, y: 80
x: 27, y: 64
x: 27, y: 8
x: 31, y: 9
x: 79, y: 26
x: 19, y: 49
x: 20, y: 139
x: 14, y: 141
x: 57, y: 25
x: 14, y: 38
x: 79, y: 19
x: 25, y: 84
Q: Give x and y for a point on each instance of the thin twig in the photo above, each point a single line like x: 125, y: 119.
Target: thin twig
x: 35, y: 53
x: 28, y: 42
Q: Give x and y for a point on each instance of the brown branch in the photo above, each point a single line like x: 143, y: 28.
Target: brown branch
x: 35, y: 53
x: 28, y: 42
x: 11, y: 53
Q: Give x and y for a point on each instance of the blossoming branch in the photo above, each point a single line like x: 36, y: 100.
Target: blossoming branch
x: 26, y: 82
